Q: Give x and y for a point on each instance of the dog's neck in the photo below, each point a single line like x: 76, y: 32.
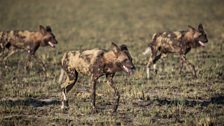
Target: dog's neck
x: 31, y: 36
x: 109, y: 59
x: 188, y: 36
x: 38, y: 36
x: 189, y: 40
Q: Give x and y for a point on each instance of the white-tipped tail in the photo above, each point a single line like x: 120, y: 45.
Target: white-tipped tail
x: 147, y: 50
x: 61, y: 76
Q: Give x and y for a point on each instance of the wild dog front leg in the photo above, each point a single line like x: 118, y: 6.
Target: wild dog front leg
x: 111, y: 83
x: 148, y: 66
x: 184, y: 60
x: 193, y: 69
x: 32, y: 56
x: 32, y: 50
x: 39, y: 61
x: 64, y: 103
x: 93, y: 81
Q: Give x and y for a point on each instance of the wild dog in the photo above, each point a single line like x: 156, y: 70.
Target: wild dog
x: 27, y: 41
x: 179, y: 42
x: 95, y: 63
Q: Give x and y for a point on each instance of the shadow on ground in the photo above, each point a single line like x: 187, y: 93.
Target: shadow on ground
x: 29, y: 102
x: 218, y: 100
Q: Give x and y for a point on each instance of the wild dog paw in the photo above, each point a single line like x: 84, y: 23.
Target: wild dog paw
x: 64, y: 105
x: 115, y: 108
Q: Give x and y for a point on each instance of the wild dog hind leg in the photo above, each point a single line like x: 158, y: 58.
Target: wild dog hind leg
x: 40, y: 61
x: 181, y: 60
x: 148, y: 66
x: 71, y: 78
x: 93, y: 82
x: 152, y: 61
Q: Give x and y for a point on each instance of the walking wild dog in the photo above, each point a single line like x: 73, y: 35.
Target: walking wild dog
x: 179, y: 42
x: 95, y: 63
x: 27, y: 40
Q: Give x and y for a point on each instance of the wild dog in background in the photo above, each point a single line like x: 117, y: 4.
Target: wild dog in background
x: 95, y: 63
x: 27, y: 40
x: 179, y: 42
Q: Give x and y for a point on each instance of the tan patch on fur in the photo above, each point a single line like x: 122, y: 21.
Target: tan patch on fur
x: 26, y: 38
x: 29, y: 36
x: 189, y: 36
x: 178, y: 35
x: 83, y: 61
x: 196, y: 34
x: 109, y: 57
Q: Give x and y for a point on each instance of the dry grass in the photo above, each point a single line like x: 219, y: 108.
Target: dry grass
x: 32, y: 97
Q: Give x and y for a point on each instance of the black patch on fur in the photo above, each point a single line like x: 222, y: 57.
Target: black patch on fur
x: 8, y: 45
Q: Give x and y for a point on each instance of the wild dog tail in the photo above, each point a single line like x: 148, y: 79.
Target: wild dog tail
x: 149, y: 48
x: 62, y: 70
x: 61, y: 75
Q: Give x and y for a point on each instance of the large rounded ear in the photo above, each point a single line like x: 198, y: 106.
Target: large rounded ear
x: 123, y: 47
x: 200, y: 28
x: 48, y: 29
x: 42, y: 29
x: 115, y: 48
x: 191, y: 28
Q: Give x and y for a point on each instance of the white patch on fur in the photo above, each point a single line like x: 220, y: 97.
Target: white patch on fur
x: 62, y: 105
x: 147, y: 50
x: 147, y: 72
x: 154, y: 66
x: 64, y: 96
x: 63, y: 101
x: 61, y: 76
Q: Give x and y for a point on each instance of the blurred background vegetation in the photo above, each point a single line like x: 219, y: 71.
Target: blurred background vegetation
x: 166, y: 99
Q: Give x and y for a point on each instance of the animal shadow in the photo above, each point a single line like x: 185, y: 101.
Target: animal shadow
x: 218, y: 100
x: 29, y: 102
